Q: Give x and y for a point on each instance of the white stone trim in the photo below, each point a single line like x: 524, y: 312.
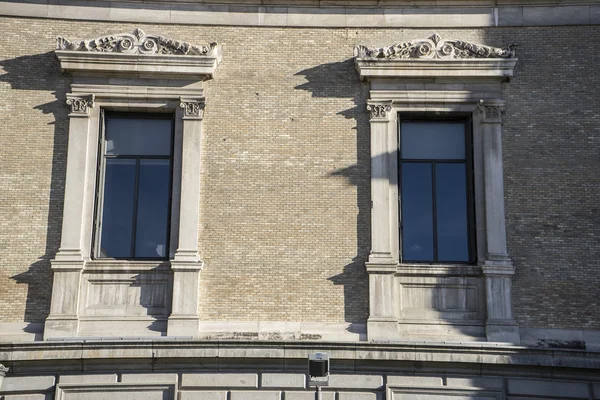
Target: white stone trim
x: 21, y: 331
x: 482, y: 290
x: 483, y: 14
x: 165, y: 66
x: 437, y: 68
x: 134, y: 83
x: 283, y: 330
x: 153, y: 390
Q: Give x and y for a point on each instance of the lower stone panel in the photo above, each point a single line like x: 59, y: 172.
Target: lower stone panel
x: 291, y: 386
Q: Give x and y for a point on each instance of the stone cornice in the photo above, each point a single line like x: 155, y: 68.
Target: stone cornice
x: 363, y: 3
x: 76, y: 353
x: 319, y: 13
x: 138, y: 55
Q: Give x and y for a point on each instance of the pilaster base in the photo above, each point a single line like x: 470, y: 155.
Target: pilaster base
x: 61, y: 327
x: 382, y: 329
x: 506, y: 331
x: 187, y: 326
x: 184, y: 320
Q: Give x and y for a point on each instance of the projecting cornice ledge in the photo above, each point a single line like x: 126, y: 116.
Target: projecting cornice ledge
x: 138, y: 55
x: 435, y: 57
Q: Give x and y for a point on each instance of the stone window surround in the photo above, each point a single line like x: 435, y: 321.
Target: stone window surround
x: 433, y: 79
x: 135, y: 73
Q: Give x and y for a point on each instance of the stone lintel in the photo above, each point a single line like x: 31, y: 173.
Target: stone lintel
x: 489, y: 69
x: 138, y: 65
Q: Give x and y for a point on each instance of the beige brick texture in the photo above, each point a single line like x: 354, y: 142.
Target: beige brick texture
x: 285, y: 202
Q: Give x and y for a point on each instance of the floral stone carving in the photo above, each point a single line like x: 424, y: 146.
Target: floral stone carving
x: 435, y: 47
x: 137, y: 42
x: 379, y: 110
x: 192, y: 108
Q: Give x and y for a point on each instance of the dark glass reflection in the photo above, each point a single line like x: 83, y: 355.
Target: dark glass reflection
x: 438, y: 140
x: 117, y: 213
x: 137, y: 187
x: 417, y: 212
x: 138, y: 136
x: 153, y: 208
x: 451, y: 212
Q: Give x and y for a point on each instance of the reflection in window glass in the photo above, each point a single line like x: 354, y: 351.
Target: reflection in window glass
x: 153, y: 208
x: 439, y: 140
x: 451, y: 212
x: 117, y: 214
x: 137, y: 136
x: 434, y: 192
x: 417, y: 211
x: 137, y: 187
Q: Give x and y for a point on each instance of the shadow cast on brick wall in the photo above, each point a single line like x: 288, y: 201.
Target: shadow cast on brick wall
x: 341, y: 80
x: 41, y: 72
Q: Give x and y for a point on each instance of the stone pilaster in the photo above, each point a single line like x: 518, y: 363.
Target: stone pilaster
x: 498, y: 268
x: 186, y: 265
x: 67, y: 266
x: 382, y: 323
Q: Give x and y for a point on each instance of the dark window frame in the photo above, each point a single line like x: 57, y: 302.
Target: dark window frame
x: 100, y: 183
x: 467, y: 120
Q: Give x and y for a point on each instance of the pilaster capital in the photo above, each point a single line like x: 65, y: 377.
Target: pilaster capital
x: 192, y: 108
x: 80, y: 105
x: 380, y: 111
x: 491, y: 111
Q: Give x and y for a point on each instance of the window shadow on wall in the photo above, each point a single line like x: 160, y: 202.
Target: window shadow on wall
x: 40, y: 76
x: 340, y: 80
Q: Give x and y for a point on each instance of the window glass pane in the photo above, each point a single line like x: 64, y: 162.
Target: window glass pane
x: 138, y: 136
x: 433, y: 140
x: 451, y: 212
x: 417, y: 212
x: 117, y: 213
x: 153, y: 209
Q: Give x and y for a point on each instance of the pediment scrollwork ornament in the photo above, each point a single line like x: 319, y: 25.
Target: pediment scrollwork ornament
x: 192, y: 108
x: 435, y: 47
x: 137, y: 42
x: 80, y: 105
x: 379, y: 110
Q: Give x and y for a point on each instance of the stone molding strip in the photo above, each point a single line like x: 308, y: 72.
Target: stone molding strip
x: 333, y: 17
x: 76, y: 353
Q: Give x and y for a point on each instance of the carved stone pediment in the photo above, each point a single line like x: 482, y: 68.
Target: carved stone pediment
x: 138, y: 55
x: 435, y: 47
x: 137, y: 42
x: 435, y: 57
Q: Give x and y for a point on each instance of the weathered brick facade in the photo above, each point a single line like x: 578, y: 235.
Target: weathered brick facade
x: 285, y: 202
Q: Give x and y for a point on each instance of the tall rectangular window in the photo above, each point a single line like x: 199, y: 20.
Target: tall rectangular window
x: 436, y: 191
x: 134, y: 202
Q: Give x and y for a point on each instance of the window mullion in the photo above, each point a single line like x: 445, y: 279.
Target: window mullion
x: 434, y: 209
x: 135, y: 206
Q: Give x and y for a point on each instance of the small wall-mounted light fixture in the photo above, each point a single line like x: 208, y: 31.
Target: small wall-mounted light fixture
x: 318, y: 370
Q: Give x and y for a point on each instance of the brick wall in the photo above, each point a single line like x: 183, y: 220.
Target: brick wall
x: 285, y: 203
